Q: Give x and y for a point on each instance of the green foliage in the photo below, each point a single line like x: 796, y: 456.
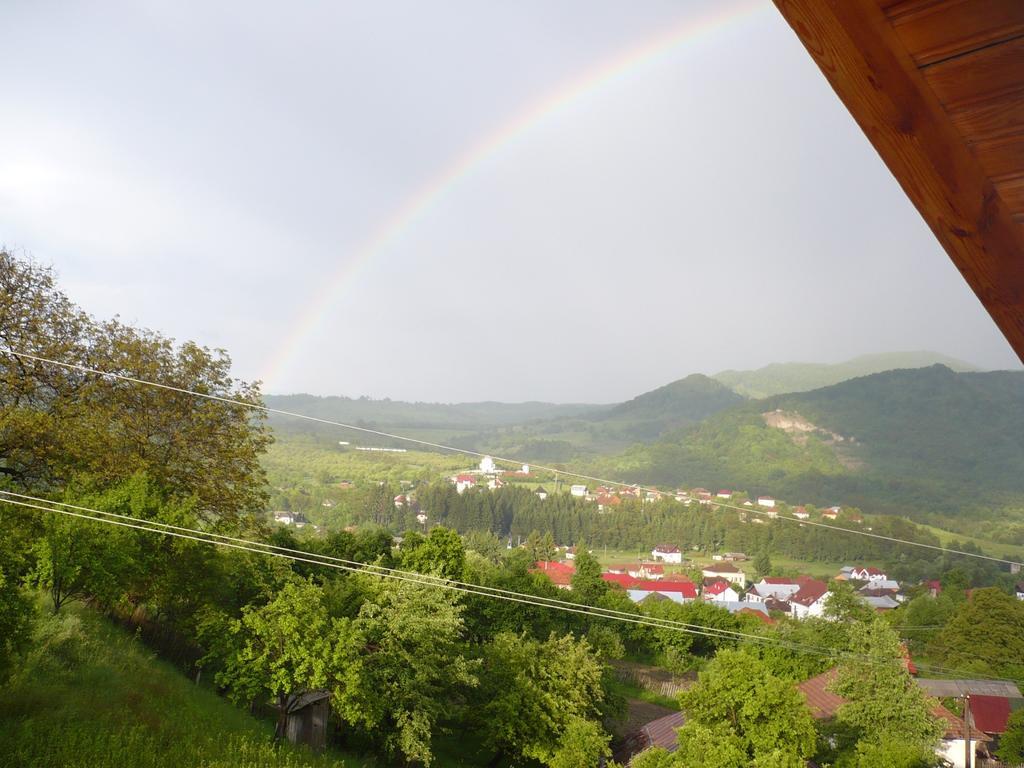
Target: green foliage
x: 401, y: 666
x: 441, y: 553
x: 281, y: 649
x: 883, y: 704
x: 587, y: 585
x: 984, y: 636
x: 536, y: 696
x: 1011, y: 744
x: 890, y: 752
x: 739, y: 714
x: 88, y: 695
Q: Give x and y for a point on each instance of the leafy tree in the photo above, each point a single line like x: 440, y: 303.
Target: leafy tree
x: 844, y: 604
x: 278, y: 650
x: 16, y: 613
x: 985, y: 635
x: 401, y: 666
x: 739, y: 714
x: 763, y: 564
x: 534, y: 695
x: 882, y: 702
x: 441, y: 553
x: 1011, y: 744
x: 587, y: 584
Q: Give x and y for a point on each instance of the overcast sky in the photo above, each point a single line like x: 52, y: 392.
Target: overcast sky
x: 209, y: 170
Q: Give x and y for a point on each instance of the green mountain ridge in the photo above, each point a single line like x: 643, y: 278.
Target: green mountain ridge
x: 782, y: 378
x: 931, y: 443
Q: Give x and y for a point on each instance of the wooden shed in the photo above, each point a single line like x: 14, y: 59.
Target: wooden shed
x: 305, y: 718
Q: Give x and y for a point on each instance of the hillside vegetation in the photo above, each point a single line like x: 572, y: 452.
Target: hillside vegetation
x: 89, y: 695
x: 931, y: 443
x: 781, y: 378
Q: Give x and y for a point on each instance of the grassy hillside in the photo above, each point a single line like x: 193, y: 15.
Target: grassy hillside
x: 780, y: 378
x: 91, y: 696
x: 932, y: 443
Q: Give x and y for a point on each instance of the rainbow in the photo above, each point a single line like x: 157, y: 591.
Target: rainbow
x: 559, y: 99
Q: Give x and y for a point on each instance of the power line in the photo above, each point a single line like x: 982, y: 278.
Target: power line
x: 351, y: 566
x: 476, y: 454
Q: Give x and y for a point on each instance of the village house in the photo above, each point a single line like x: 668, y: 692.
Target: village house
x: 724, y: 494
x: 801, y: 513
x: 464, y: 481
x: 570, y: 553
x: 657, y: 733
x: 291, y: 518
x: 1020, y: 590
x: 667, y: 553
x: 651, y: 571
x: 726, y: 571
x: 559, y: 573
x: 677, y: 591
x: 869, y: 574
x: 720, y: 591
x: 830, y: 514
x: 765, y: 501
x: 541, y: 493
x: 400, y: 500
x: 579, y: 491
x: 776, y: 588
x: 810, y: 599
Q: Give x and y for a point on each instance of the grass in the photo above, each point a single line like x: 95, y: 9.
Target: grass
x: 999, y: 549
x: 89, y: 695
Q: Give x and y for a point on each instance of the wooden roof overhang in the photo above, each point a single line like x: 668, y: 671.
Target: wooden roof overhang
x: 938, y: 88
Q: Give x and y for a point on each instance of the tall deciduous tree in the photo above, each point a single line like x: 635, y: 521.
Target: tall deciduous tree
x: 402, y: 667
x: 280, y: 649
x: 739, y: 715
x: 536, y: 697
x: 882, y: 701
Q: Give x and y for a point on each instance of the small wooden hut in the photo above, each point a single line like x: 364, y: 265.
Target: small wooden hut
x: 305, y: 718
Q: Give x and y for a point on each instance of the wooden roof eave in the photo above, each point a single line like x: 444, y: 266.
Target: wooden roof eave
x: 876, y: 78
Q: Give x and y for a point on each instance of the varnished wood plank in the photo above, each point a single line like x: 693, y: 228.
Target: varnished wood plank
x: 979, y: 76
x: 873, y: 74
x: 933, y: 31
x: 998, y: 117
x: 1012, y: 192
x: 1001, y: 158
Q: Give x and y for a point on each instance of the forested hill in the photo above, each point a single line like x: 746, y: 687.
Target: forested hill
x: 396, y: 413
x: 781, y: 378
x: 535, y: 431
x: 918, y: 441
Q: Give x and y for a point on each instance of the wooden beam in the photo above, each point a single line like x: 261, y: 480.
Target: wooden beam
x: 872, y: 73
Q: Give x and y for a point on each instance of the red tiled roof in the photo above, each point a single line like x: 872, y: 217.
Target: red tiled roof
x: 553, y: 565
x: 667, y: 548
x: 624, y: 580
x: 465, y: 479
x: 779, y: 580
x: 716, y: 587
x: 810, y: 591
x: 758, y: 614
x: 990, y: 713
x: 684, y: 588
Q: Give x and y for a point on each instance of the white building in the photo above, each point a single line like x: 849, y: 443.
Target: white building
x: 810, y: 599
x: 726, y: 571
x: 667, y: 553
x: 721, y: 592
x: 487, y: 465
x: 765, y: 501
x: 774, y: 588
x: 579, y: 491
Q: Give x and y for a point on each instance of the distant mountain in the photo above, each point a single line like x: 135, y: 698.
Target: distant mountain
x: 396, y: 414
x: 925, y: 441
x: 780, y: 378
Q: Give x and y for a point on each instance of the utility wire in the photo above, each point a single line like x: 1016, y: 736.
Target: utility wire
x: 476, y: 454
x: 294, y: 555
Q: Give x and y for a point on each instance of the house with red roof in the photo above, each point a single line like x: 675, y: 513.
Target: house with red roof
x: 462, y: 482
x: 810, y: 599
x: 869, y: 573
x: 559, y: 573
x: 801, y: 513
x: 657, y: 733
x: 724, y: 494
x: 720, y: 591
